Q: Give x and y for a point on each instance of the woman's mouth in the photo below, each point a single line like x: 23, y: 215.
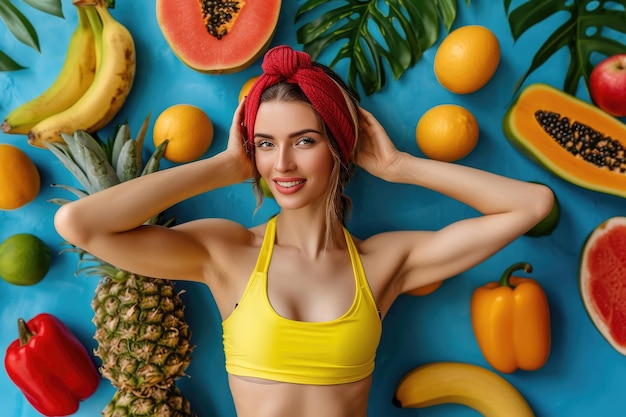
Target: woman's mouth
x: 289, y: 186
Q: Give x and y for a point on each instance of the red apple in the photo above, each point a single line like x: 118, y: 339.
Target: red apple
x: 607, y: 85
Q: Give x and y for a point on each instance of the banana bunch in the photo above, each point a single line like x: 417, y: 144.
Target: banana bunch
x: 461, y: 383
x: 93, y: 84
x: 71, y: 83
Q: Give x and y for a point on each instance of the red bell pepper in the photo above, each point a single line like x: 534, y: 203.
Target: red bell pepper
x: 50, y: 366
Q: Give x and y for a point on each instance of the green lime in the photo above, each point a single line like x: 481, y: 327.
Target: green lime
x: 266, y: 189
x: 24, y: 259
x: 549, y: 223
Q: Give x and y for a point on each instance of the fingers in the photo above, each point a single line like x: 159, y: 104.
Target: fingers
x: 369, y: 123
x: 363, y: 111
x: 366, y: 115
x: 236, y: 137
x: 237, y: 129
x: 238, y: 117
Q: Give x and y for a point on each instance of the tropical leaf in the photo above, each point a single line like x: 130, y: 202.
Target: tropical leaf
x: 21, y: 28
x: 52, y: 7
x: 18, y: 24
x: 591, y: 27
x: 7, y: 64
x: 373, y: 35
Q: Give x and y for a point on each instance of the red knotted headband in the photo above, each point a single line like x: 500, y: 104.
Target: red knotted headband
x: 283, y: 63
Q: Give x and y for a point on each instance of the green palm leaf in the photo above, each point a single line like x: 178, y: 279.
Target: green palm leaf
x: 21, y: 28
x: 371, y: 33
x: 592, y: 27
x: 7, y: 64
x: 52, y: 7
x: 18, y: 24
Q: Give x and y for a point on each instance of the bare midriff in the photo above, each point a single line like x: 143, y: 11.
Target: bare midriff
x: 255, y: 397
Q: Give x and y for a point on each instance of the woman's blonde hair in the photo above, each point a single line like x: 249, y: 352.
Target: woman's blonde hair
x: 338, y: 204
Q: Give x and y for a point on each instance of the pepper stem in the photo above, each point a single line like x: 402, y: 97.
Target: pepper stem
x: 23, y: 331
x: 504, y: 280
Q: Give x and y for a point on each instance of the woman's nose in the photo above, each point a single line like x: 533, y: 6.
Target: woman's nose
x: 285, y: 159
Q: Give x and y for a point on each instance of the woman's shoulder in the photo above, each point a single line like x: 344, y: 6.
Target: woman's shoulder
x: 230, y: 244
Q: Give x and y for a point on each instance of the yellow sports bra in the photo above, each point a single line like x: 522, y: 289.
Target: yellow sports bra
x: 258, y: 342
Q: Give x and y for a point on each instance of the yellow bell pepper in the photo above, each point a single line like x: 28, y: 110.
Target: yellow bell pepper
x: 511, y: 322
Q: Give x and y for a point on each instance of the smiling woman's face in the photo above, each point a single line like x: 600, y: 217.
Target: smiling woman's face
x: 292, y: 153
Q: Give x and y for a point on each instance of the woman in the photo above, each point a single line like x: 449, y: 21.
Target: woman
x: 301, y: 300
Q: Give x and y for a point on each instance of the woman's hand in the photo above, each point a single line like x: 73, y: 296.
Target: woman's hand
x: 236, y: 147
x: 376, y: 152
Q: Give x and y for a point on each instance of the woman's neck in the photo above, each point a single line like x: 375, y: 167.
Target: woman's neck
x: 307, y: 232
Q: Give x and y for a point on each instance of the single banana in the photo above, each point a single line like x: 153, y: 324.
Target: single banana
x: 461, y: 383
x: 115, y: 54
x: 74, y: 78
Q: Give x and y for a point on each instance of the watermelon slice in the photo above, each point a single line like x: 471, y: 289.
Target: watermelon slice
x: 603, y: 280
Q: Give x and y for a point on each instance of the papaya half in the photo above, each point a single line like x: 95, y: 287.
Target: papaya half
x: 217, y: 37
x: 569, y: 137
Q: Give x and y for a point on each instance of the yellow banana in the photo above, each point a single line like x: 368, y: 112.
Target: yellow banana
x: 461, y: 383
x: 115, y: 54
x: 73, y: 80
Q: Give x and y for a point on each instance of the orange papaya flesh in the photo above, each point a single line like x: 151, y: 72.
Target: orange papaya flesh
x: 525, y: 132
x: 215, y: 37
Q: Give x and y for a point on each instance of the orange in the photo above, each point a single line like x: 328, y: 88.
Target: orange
x: 188, y: 130
x: 447, y: 132
x: 19, y: 178
x: 426, y: 289
x: 246, y: 87
x: 467, y: 59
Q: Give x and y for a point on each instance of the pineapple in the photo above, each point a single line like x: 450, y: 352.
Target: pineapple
x: 143, y: 338
x: 162, y: 402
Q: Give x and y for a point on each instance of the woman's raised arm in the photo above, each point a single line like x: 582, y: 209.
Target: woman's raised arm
x: 510, y: 208
x: 110, y: 224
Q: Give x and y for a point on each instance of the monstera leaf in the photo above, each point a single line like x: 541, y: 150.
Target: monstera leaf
x: 583, y: 33
x: 21, y: 28
x: 371, y: 32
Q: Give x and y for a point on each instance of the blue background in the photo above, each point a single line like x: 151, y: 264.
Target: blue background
x: 584, y: 374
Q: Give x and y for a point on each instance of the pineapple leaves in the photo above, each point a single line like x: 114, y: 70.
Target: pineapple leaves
x: 61, y: 151
x: 126, y: 166
x: 21, y: 28
x: 373, y: 35
x: 591, y: 27
x: 141, y: 134
x: 120, y: 137
x: 78, y: 193
x: 90, y: 265
x: 97, y: 165
x: 154, y: 161
x: 117, y: 149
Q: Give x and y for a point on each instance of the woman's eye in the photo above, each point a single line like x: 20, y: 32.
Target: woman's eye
x: 263, y: 144
x: 305, y: 141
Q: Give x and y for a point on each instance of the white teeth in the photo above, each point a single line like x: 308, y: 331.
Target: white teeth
x: 288, y: 184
